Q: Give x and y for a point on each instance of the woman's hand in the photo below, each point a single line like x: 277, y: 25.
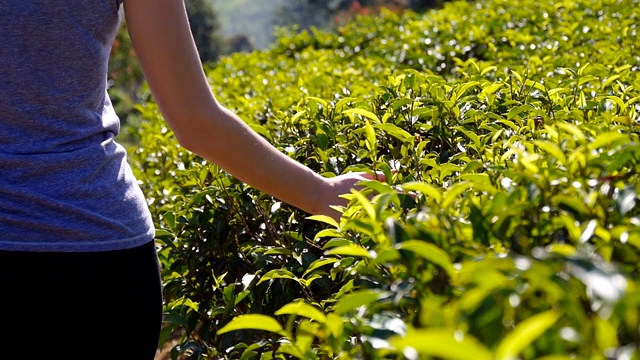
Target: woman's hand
x: 342, y: 184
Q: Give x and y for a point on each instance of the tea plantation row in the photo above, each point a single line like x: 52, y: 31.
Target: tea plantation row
x: 511, y: 128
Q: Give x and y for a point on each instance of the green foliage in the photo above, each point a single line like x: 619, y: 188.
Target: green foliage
x: 511, y: 128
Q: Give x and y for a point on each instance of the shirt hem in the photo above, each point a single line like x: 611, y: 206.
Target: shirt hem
x: 80, y: 246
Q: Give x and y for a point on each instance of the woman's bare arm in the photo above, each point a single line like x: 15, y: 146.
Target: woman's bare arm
x: 163, y: 42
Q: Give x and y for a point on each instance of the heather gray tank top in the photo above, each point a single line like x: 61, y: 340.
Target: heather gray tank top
x: 65, y: 184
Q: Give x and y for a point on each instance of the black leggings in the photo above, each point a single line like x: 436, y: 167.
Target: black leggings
x: 98, y: 305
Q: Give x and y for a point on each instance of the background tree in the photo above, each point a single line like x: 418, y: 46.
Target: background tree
x: 205, y: 27
x: 322, y: 14
x: 420, y: 5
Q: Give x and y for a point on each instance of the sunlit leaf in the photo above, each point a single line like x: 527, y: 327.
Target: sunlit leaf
x: 518, y: 110
x: 442, y: 343
x: 357, y: 299
x: 607, y: 139
x: 454, y: 191
x: 394, y: 131
x: 253, y: 322
x: 290, y: 349
x: 349, y: 250
x: 366, y: 113
x: 429, y: 252
x: 572, y: 129
x: 552, y: 149
x: 317, y: 264
x: 424, y: 188
x: 302, y: 309
x: 325, y: 219
x: 525, y: 333
x: 277, y: 274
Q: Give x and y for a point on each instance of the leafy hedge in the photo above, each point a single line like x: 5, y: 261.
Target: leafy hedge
x: 515, y: 126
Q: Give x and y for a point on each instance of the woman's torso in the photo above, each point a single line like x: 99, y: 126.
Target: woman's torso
x: 65, y: 185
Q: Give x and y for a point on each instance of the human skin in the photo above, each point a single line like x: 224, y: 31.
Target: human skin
x: 164, y: 45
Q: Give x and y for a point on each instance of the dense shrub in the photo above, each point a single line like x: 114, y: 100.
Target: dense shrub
x: 515, y: 126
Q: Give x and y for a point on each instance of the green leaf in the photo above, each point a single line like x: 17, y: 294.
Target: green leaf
x: 518, y: 110
x: 609, y: 80
x: 371, y: 136
x: 509, y: 124
x: 516, y: 75
x: 328, y: 233
x: 279, y: 251
x: 349, y: 250
x: 525, y: 333
x: 552, y: 149
x: 366, y: 113
x: 559, y: 91
x: 442, y: 343
x: 570, y: 204
x: 319, y: 263
x: 607, y: 139
x: 295, y: 117
x: 253, y: 322
x: 318, y: 100
x: 535, y: 85
x: 488, y: 90
x: 289, y: 349
x: 365, y: 203
x: 336, y: 243
x: 300, y: 308
x: 250, y: 353
x: 387, y: 255
x: 324, y: 219
x: 562, y: 249
x: 356, y: 299
x: 189, y: 303
x: 343, y: 102
x: 429, y: 252
x: 278, y: 274
x: 470, y: 134
x: 488, y: 69
x: 585, y: 79
x: 454, y: 191
x: 476, y: 178
x: 606, y: 334
x: 424, y: 188
x: 378, y: 186
x: 394, y: 131
x: 618, y: 102
x: 463, y: 89
x: 572, y: 129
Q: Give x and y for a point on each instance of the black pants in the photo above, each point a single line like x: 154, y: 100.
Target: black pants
x: 99, y: 305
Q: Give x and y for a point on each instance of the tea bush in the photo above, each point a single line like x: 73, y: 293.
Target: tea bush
x: 511, y: 129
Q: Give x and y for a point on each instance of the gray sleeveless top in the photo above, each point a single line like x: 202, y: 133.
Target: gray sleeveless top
x: 65, y: 184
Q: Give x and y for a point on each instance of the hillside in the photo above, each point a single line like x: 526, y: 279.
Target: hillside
x: 253, y: 18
